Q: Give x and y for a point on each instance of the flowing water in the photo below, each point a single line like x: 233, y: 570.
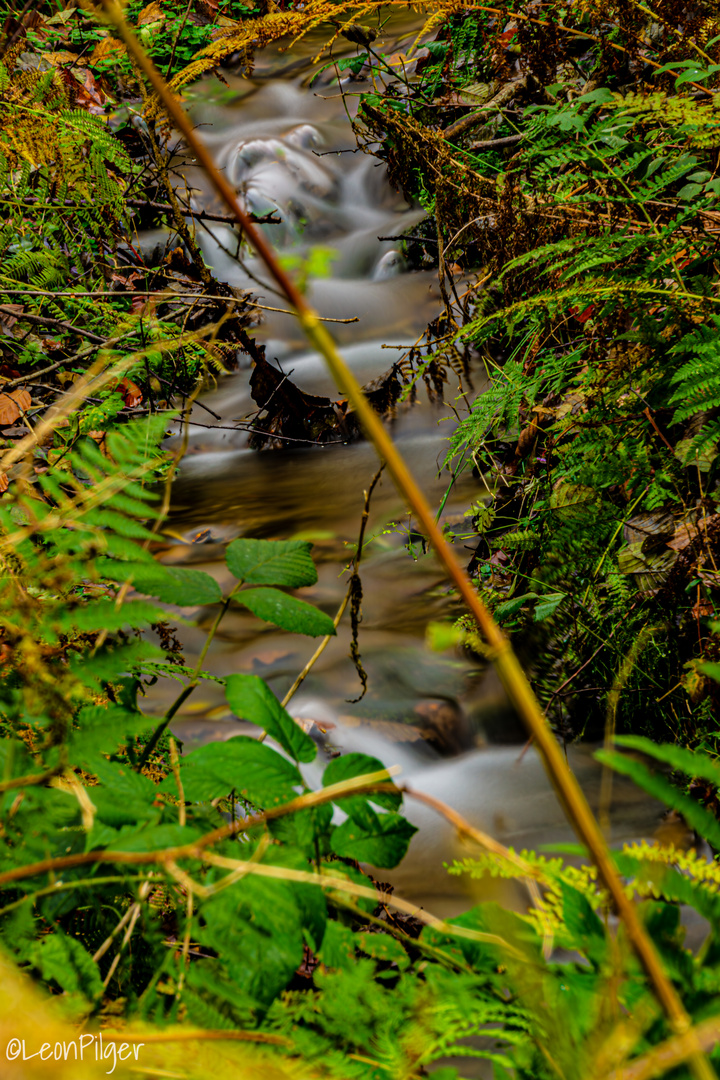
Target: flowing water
x: 292, y: 151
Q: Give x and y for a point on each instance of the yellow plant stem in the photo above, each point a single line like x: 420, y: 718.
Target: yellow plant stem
x: 512, y: 676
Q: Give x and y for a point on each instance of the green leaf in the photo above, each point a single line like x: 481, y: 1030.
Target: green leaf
x: 693, y: 763
x: 689, y: 191
x: 103, y: 730
x: 357, y: 807
x: 548, y: 605
x: 124, y: 796
x: 250, y: 698
x: 154, y: 838
x: 287, y: 612
x: 384, y: 846
x: 272, y: 562
x: 112, y: 662
x: 338, y: 947
x: 354, y: 875
x: 583, y: 924
x: 307, y: 830
x: 676, y: 64
x: 510, y: 607
x: 258, y: 926
x: 64, y: 960
x: 696, y: 74
x: 104, y: 615
x: 382, y: 947
x: 711, y: 669
x: 597, y: 97
x: 171, y: 584
x: 252, y: 769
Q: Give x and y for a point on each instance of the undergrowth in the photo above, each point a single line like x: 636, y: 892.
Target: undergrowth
x: 577, y: 195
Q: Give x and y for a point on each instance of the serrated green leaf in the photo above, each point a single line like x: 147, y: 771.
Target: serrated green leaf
x: 112, y: 662
x: 250, y: 768
x: 103, y: 729
x: 124, y: 796
x: 287, y: 612
x: 357, y: 807
x: 155, y: 838
x: 272, y: 562
x: 171, y: 584
x: 307, y: 830
x: 258, y: 925
x: 338, y: 947
x: 104, y: 615
x: 250, y: 698
x: 384, y: 846
x: 64, y: 960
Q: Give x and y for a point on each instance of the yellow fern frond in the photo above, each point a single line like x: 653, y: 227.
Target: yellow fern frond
x: 700, y: 119
x: 251, y: 34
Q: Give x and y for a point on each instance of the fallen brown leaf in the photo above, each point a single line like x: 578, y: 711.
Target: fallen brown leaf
x: 131, y: 392
x: 152, y: 13
x: 10, y: 315
x: 684, y: 534
x: 23, y: 398
x: 108, y: 47
x: 13, y: 406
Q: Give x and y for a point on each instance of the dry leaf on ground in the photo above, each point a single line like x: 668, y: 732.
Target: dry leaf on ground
x: 13, y: 405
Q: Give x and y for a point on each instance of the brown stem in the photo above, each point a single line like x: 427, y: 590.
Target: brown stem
x: 52, y: 324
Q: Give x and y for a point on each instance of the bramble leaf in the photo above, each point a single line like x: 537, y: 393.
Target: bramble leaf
x: 242, y: 764
x: 65, y: 960
x: 287, y: 612
x: 385, y: 845
x: 357, y: 807
x: 272, y: 562
x: 250, y: 698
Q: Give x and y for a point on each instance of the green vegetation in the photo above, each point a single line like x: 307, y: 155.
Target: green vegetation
x: 567, y: 159
x: 593, y: 223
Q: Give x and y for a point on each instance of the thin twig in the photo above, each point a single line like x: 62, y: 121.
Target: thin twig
x: 148, y: 204
x: 33, y: 779
x: 496, y: 144
x: 52, y: 324
x: 341, y: 610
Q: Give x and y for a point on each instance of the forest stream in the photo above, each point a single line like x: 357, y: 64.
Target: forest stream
x: 291, y: 151
x: 234, y: 842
